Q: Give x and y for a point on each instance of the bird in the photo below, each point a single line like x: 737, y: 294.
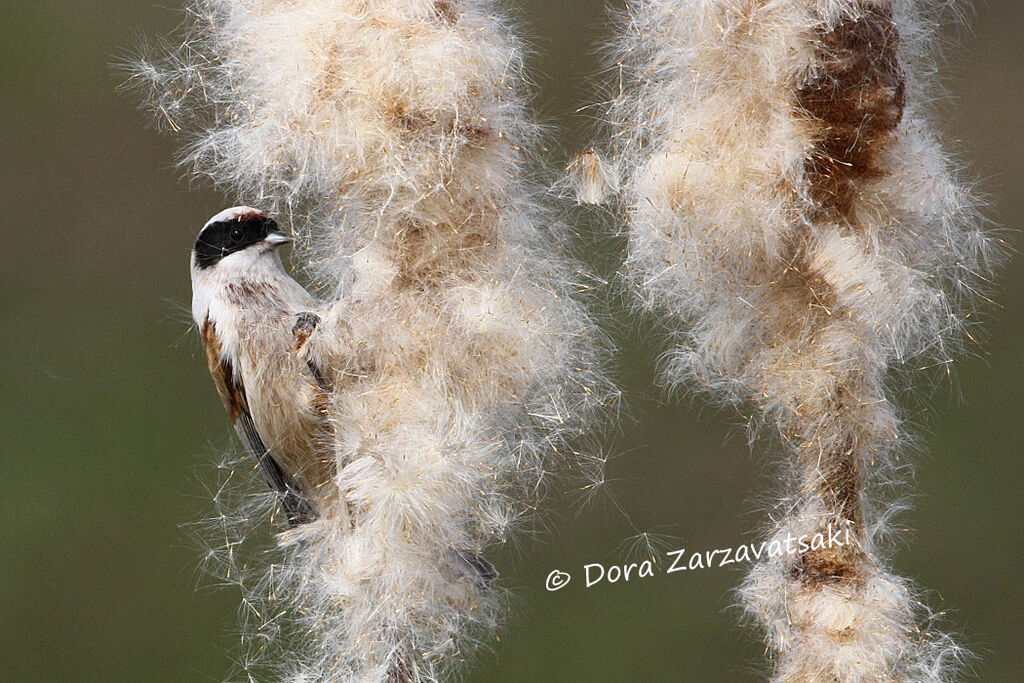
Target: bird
x: 254, y: 320
x: 256, y: 325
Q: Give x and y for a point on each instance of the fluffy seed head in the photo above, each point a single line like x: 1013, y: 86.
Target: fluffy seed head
x: 391, y: 136
x: 792, y: 215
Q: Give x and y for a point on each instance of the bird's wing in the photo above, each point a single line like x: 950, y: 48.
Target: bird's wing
x: 232, y: 392
x: 296, y: 507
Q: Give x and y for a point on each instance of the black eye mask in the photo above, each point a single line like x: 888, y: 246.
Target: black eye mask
x: 223, y: 238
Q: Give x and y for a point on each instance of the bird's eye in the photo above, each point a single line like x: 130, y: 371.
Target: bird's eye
x: 236, y: 235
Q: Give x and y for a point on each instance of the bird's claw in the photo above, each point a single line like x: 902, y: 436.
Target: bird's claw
x: 305, y: 324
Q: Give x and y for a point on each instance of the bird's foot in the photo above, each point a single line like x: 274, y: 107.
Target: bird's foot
x: 305, y: 324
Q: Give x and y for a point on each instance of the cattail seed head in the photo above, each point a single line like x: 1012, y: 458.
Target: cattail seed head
x: 393, y: 136
x: 789, y: 204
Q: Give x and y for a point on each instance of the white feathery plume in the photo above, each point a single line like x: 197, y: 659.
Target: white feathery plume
x: 591, y: 179
x: 393, y: 136
x: 792, y: 215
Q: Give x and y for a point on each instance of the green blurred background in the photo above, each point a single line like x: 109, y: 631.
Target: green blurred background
x: 107, y: 411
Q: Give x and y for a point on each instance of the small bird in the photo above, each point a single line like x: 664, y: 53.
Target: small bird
x: 254, y: 322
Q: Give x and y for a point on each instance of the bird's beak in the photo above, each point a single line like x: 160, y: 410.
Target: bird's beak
x: 277, y: 238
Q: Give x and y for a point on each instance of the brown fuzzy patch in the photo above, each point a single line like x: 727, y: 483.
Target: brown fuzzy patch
x: 846, y: 635
x: 403, y: 668
x: 827, y: 565
x: 798, y: 298
x: 476, y: 135
x: 406, y: 119
x: 447, y: 11
x: 831, y: 564
x: 429, y: 253
x: 843, y: 485
x: 413, y: 122
x: 841, y: 490
x: 325, y: 86
x: 856, y: 102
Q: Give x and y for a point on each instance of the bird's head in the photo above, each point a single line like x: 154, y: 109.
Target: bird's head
x: 238, y: 238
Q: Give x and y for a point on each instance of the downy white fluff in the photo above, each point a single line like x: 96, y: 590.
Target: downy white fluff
x: 392, y: 136
x: 793, y: 218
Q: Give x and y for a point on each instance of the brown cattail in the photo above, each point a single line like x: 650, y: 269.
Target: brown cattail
x: 791, y: 211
